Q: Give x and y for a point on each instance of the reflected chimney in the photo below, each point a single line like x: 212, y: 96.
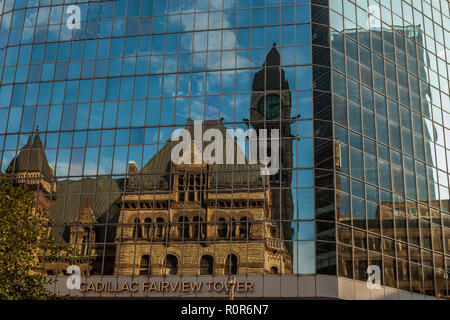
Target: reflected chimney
x: 132, y: 168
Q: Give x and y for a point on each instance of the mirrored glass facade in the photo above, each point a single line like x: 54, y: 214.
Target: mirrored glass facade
x: 93, y: 95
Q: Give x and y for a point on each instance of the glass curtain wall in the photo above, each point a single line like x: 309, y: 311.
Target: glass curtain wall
x: 390, y: 77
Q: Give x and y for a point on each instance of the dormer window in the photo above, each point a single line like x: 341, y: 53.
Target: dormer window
x: 191, y: 186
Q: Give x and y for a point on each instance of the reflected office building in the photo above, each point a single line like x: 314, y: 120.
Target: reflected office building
x: 93, y: 108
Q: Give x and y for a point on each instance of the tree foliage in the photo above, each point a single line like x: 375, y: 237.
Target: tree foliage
x: 23, y: 234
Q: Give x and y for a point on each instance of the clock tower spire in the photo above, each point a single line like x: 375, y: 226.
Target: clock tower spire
x: 271, y: 109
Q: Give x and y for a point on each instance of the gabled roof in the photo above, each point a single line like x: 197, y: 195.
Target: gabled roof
x: 155, y: 174
x: 31, y: 158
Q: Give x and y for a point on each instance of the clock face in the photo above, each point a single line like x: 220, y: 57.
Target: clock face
x: 272, y: 106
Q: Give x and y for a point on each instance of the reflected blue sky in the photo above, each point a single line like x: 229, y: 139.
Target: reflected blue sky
x: 208, y: 73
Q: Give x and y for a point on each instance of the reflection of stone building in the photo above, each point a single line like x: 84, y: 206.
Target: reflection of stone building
x: 197, y: 219
x: 81, y: 241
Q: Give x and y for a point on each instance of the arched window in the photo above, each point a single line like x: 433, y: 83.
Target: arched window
x: 207, y: 265
x: 274, y: 270
x: 144, y: 267
x: 231, y: 264
x: 244, y: 227
x: 197, y: 227
x: 183, y: 227
x: 148, y: 228
x: 159, y: 227
x: 171, y: 264
x: 86, y: 240
x: 222, y: 228
x: 137, y: 230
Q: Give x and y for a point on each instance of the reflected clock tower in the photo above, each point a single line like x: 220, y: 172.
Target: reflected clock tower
x: 271, y: 109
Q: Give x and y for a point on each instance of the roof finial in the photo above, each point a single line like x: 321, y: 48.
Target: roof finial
x: 37, y: 128
x: 274, y: 44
